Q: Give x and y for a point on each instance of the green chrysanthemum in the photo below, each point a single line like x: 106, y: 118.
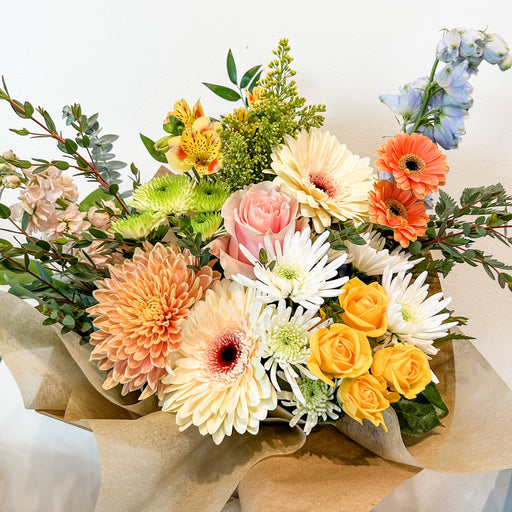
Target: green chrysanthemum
x: 207, y: 224
x: 138, y: 225
x: 169, y: 194
x: 209, y: 196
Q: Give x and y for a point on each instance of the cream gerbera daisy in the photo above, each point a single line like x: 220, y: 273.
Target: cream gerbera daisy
x: 286, y: 344
x: 327, y: 179
x: 219, y: 382
x: 373, y: 259
x: 413, y: 317
x: 298, y: 271
x: 318, y: 403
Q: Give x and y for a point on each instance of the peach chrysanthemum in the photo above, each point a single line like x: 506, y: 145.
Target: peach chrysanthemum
x: 415, y: 162
x: 327, y: 179
x: 398, y: 209
x: 219, y: 382
x: 139, y: 315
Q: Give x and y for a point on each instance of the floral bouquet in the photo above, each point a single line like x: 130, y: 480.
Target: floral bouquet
x: 265, y: 282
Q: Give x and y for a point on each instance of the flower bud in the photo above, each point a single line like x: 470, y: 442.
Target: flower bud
x: 448, y: 48
x: 11, y: 181
x: 506, y: 62
x: 496, y: 49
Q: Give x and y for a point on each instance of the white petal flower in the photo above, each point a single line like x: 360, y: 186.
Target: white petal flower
x: 219, y: 382
x: 319, y: 402
x: 299, y: 270
x: 413, y: 317
x: 286, y: 344
x: 372, y: 258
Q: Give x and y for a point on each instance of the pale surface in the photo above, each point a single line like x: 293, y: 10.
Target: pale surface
x: 133, y: 61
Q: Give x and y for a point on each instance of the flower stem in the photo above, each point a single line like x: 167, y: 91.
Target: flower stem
x: 426, y: 96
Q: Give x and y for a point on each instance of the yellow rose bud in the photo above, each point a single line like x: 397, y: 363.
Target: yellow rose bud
x: 365, y: 398
x: 404, y: 367
x: 339, y: 351
x: 365, y: 307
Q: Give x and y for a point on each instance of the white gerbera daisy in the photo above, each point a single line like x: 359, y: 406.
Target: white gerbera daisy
x: 327, y: 179
x: 299, y: 270
x: 319, y: 402
x: 286, y: 344
x: 373, y: 259
x: 219, y: 382
x: 412, y: 315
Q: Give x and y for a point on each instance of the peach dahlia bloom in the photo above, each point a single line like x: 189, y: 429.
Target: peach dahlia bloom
x: 139, y: 315
x: 415, y: 162
x: 398, y: 209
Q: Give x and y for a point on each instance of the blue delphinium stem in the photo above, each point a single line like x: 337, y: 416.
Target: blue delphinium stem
x: 426, y: 96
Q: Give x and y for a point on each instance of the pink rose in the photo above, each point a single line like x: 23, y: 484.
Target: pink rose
x: 250, y: 215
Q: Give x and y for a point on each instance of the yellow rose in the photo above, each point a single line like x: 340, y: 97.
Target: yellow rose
x: 404, y: 367
x: 365, y: 307
x: 366, y: 397
x: 339, y: 351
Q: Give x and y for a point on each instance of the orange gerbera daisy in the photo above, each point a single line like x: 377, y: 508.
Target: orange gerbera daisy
x: 398, y: 209
x: 139, y: 315
x: 415, y: 162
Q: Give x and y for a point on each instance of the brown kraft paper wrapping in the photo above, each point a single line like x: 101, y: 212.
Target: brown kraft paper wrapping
x: 173, y: 471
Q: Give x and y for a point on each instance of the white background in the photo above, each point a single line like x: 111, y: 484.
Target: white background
x: 130, y: 61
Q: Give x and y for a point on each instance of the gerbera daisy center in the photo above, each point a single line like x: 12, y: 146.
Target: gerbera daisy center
x: 396, y: 208
x: 323, y: 183
x: 227, y: 355
x: 411, y: 164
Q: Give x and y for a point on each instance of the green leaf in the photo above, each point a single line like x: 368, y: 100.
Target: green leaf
x: 415, y: 418
x: 5, y: 212
x: 43, y: 273
x: 230, y: 64
x: 21, y: 132
x: 415, y: 247
x: 25, y: 219
x: 94, y: 198
x: 60, y: 164
x: 224, y: 92
x: 98, y: 234
x: 150, y: 146
x: 68, y: 320
x: 29, y: 109
x: 431, y: 393
x: 17, y: 276
x: 248, y: 75
x: 49, y: 121
x: 70, y: 146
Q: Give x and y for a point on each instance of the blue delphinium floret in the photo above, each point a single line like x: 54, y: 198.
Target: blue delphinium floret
x: 437, y: 106
x: 406, y: 104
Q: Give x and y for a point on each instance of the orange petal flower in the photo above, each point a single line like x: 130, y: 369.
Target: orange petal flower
x: 415, y: 162
x: 139, y: 315
x: 398, y: 209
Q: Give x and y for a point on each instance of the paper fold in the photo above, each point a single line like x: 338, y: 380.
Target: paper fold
x: 147, y: 465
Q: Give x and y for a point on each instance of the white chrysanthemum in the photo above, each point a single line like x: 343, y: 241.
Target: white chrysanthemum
x: 413, y: 317
x: 319, y: 402
x: 219, y: 382
x: 373, y: 259
x: 327, y: 179
x: 299, y: 270
x: 286, y: 344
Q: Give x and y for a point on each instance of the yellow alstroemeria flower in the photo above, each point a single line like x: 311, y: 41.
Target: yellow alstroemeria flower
x: 198, y: 146
x: 254, y: 96
x: 184, y: 114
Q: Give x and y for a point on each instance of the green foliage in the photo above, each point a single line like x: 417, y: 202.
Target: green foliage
x: 421, y: 414
x: 250, y: 135
x: 481, y: 212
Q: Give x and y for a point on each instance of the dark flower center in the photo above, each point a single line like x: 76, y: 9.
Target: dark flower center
x: 396, y: 208
x: 411, y: 164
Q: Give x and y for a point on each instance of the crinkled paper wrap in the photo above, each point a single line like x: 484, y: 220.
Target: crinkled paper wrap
x: 148, y: 466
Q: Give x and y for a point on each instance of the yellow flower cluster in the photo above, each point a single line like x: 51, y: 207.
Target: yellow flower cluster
x: 370, y: 381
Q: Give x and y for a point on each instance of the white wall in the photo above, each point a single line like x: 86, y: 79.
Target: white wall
x: 131, y: 60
